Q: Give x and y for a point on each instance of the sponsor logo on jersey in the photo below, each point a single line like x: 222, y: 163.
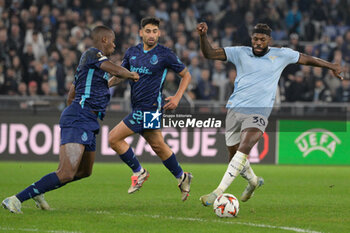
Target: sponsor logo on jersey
x: 317, y: 140
x: 133, y: 58
x: 154, y: 60
x: 140, y: 70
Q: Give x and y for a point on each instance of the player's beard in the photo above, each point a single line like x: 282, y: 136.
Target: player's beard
x: 262, y: 53
x: 151, y: 43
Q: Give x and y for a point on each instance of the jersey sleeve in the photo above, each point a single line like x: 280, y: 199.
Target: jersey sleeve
x: 93, y: 58
x: 231, y: 54
x: 174, y: 63
x: 125, y: 62
x: 291, y: 56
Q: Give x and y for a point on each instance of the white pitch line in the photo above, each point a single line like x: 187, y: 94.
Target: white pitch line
x: 224, y: 222
x: 35, y: 230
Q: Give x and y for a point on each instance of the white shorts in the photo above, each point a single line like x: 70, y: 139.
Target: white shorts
x: 236, y: 122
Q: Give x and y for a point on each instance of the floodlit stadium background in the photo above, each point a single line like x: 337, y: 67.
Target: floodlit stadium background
x: 41, y: 42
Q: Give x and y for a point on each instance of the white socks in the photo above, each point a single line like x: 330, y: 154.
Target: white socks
x: 234, y: 168
x: 248, y: 174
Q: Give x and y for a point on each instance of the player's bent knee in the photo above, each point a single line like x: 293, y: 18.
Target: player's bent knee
x: 157, y: 147
x: 65, y: 176
x: 84, y: 174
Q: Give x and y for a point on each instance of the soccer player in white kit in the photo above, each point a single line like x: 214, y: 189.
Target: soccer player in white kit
x: 259, y: 68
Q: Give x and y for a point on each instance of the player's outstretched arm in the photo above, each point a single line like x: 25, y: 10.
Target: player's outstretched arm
x: 314, y: 61
x: 119, y: 71
x: 71, y: 95
x: 173, y: 101
x: 208, y: 51
x: 113, y: 81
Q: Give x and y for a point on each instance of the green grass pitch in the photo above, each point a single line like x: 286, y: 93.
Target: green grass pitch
x: 293, y: 199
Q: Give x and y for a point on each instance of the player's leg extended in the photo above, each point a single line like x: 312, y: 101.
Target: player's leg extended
x: 247, y: 172
x: 86, y: 165
x: 84, y: 170
x: 156, y: 141
x: 249, y: 137
x: 70, y: 156
x: 117, y: 141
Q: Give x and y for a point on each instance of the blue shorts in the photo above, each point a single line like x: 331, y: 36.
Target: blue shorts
x: 135, y: 121
x: 79, y: 125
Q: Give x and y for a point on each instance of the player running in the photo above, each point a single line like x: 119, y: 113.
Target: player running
x: 151, y: 61
x: 87, y: 100
x: 258, y: 70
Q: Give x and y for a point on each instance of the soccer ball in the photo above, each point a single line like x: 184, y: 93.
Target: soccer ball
x: 226, y: 205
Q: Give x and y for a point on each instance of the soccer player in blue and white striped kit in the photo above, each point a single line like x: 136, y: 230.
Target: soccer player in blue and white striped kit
x: 151, y: 61
x: 87, y: 100
x: 259, y: 68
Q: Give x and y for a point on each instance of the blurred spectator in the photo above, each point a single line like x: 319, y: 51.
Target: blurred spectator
x: 190, y: 20
x: 321, y: 93
x: 170, y: 84
x: 4, y: 45
x: 33, y: 89
x: 37, y: 74
x: 219, y: 78
x: 245, y: 29
x: 297, y: 89
x: 2, y: 79
x: 343, y: 92
x: 17, y: 67
x: 318, y: 15
x: 162, y: 12
x: 230, y: 86
x: 195, y: 71
x: 323, y: 49
x: 22, y: 89
x: 10, y: 86
x: 307, y: 29
x: 36, y: 30
x: 35, y: 39
x: 293, y: 19
x: 346, y: 47
x: 56, y: 77
x: 205, y: 89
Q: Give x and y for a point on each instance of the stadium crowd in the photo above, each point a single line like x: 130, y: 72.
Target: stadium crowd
x: 41, y: 41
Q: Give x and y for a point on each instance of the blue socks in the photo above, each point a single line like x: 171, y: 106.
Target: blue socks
x: 130, y: 159
x: 45, y: 184
x: 173, y: 166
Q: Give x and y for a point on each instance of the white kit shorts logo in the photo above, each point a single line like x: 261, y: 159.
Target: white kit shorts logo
x: 151, y: 120
x: 317, y: 140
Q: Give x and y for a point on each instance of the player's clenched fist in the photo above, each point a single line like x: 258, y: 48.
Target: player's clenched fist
x: 202, y: 28
x: 135, y: 76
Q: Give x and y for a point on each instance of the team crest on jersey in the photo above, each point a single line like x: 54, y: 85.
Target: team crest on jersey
x: 154, y: 59
x: 133, y: 58
x: 272, y: 58
x: 84, y: 137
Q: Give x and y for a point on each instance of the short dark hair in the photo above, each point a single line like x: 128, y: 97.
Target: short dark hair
x: 99, y: 31
x: 262, y: 28
x: 150, y: 20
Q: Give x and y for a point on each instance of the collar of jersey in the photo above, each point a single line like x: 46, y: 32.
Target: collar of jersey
x: 147, y: 51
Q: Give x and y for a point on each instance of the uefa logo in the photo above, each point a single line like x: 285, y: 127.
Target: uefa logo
x: 151, y: 120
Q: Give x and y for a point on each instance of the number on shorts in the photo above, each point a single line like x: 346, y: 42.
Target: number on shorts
x: 260, y: 120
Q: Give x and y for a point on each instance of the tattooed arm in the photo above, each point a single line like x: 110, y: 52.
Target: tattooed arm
x: 207, y: 50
